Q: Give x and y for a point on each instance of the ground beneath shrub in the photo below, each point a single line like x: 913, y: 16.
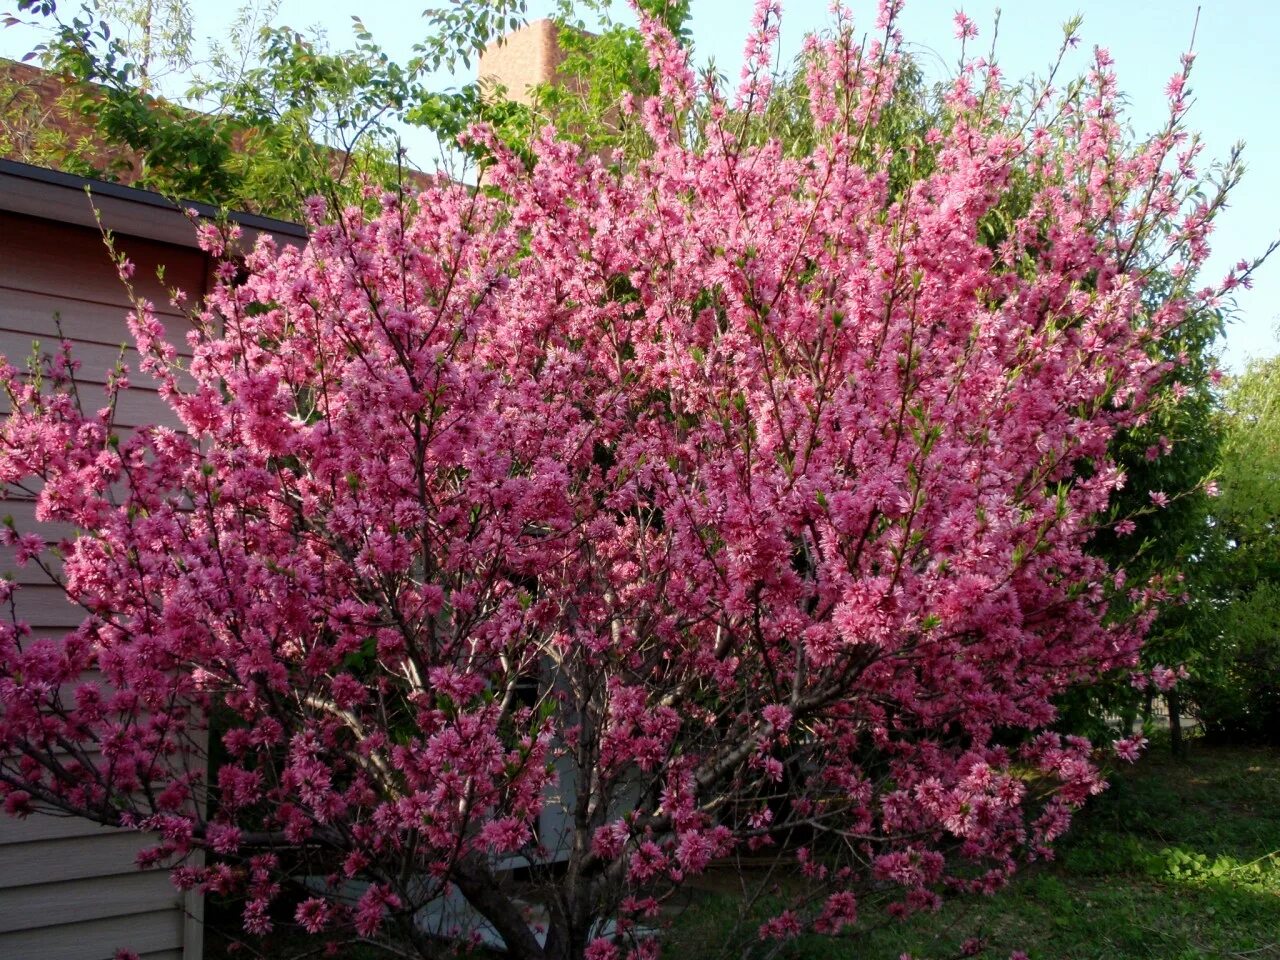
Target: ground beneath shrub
x: 1180, y: 859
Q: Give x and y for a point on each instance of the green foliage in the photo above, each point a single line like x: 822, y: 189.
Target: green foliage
x: 1175, y: 452
x: 457, y: 33
x: 26, y: 130
x: 1250, y: 503
x: 310, y: 121
x: 274, y: 115
x: 602, y: 63
x: 154, y: 32
x: 1239, y: 698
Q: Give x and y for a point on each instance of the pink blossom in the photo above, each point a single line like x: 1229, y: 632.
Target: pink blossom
x: 223, y: 838
x: 785, y: 926
x: 1130, y: 748
x: 371, y: 909
x: 313, y: 914
x: 610, y: 840
x: 27, y: 547
x: 777, y: 716
x: 966, y: 29
x: 316, y: 209
x: 17, y: 803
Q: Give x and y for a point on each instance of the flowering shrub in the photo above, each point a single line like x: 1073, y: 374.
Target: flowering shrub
x: 733, y: 499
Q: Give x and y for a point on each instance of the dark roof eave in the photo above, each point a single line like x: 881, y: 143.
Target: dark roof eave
x: 54, y: 195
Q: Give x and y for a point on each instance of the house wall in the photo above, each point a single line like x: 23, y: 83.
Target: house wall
x: 69, y: 889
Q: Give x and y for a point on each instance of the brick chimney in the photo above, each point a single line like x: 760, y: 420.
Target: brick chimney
x: 521, y: 60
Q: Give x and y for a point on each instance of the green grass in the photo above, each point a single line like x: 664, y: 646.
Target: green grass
x: 1178, y: 860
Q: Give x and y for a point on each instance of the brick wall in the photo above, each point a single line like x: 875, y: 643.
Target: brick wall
x: 521, y: 59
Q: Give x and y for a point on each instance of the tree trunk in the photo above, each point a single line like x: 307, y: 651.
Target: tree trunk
x: 1175, y: 722
x: 480, y: 888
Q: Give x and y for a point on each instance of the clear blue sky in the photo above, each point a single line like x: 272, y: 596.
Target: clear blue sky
x: 1236, y: 82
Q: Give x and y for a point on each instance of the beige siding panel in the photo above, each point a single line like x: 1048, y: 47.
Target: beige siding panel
x: 30, y: 315
x: 73, y: 263
x: 45, y: 861
x: 96, y: 939
x: 76, y: 878
x: 96, y: 360
x: 41, y: 826
x: 23, y: 513
x: 48, y: 606
x: 49, y: 633
x: 139, y: 407
x: 31, y: 574
x: 25, y: 908
x: 135, y: 407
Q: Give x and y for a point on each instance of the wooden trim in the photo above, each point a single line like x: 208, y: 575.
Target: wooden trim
x: 193, y: 918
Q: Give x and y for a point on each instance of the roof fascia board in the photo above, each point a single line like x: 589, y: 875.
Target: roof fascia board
x: 53, y: 195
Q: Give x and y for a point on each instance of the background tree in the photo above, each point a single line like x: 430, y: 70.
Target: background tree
x: 272, y: 117
x: 1173, y: 454
x: 157, y: 35
x: 1239, y: 696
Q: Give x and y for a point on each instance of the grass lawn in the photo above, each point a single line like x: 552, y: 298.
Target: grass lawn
x: 1178, y: 860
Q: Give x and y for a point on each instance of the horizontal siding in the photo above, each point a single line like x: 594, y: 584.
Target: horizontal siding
x: 154, y: 932
x: 30, y: 315
x: 26, y: 908
x: 97, y: 361
x: 35, y: 255
x: 30, y: 574
x: 135, y: 407
x: 23, y: 513
x: 69, y: 889
x: 46, y: 606
x: 44, y: 827
x: 72, y: 858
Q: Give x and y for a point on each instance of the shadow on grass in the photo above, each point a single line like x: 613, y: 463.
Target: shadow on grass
x: 1179, y: 860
